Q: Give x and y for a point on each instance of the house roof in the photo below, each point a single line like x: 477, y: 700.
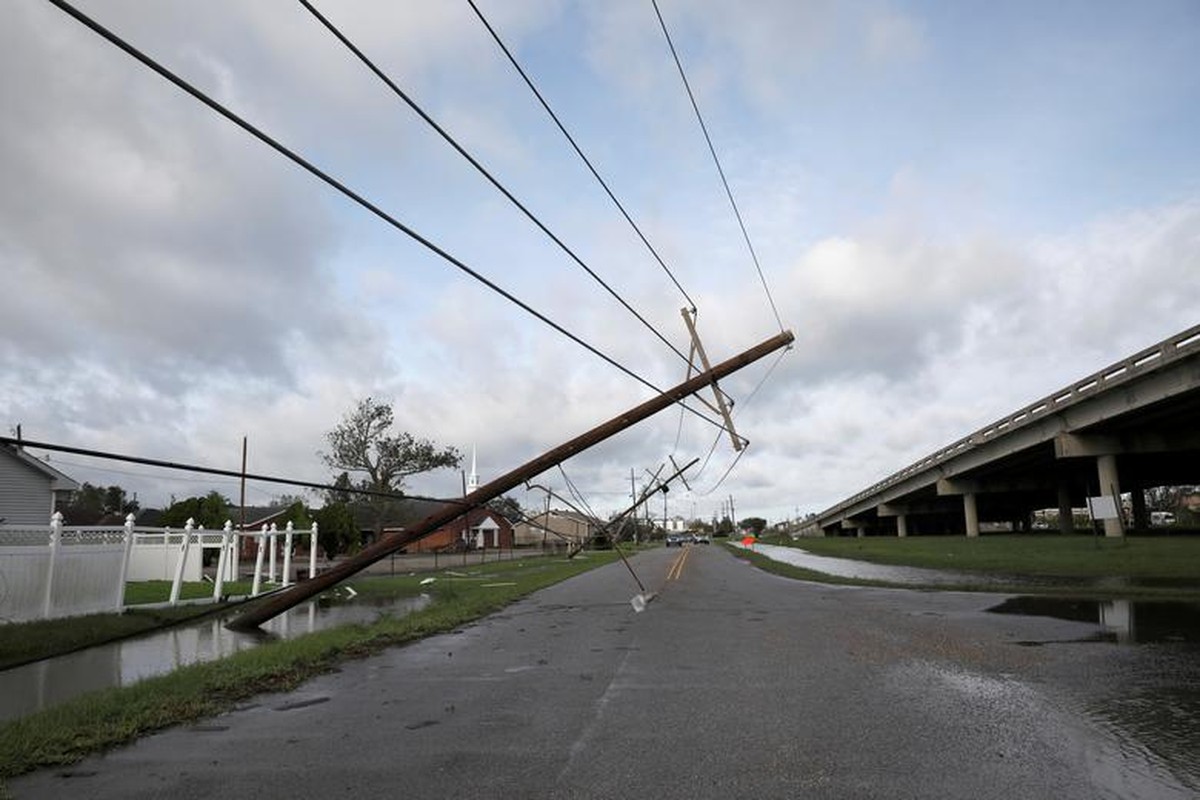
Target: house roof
x: 58, y: 480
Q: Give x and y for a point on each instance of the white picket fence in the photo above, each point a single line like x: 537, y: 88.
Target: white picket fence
x: 55, y: 571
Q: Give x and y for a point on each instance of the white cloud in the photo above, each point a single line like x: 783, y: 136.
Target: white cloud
x: 179, y: 286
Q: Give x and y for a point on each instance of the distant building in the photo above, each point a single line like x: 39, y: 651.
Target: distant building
x: 30, y: 490
x: 481, y: 529
x: 563, y: 527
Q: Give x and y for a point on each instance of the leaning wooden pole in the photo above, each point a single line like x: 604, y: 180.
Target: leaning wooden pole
x: 278, y: 603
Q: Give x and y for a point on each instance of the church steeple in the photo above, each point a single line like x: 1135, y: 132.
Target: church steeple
x: 473, y: 478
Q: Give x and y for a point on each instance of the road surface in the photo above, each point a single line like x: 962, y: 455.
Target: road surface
x: 734, y: 683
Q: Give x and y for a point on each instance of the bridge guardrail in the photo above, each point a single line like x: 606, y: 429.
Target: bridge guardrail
x: 1153, y: 357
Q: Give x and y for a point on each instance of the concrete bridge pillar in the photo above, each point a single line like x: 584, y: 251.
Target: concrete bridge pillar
x: 1066, y: 514
x: 1141, y: 519
x: 1110, y: 486
x: 902, y: 525
x: 971, y: 513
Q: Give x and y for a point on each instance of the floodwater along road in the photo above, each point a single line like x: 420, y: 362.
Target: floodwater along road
x: 732, y: 683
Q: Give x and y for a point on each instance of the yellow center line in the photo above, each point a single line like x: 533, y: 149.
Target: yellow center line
x: 677, y: 567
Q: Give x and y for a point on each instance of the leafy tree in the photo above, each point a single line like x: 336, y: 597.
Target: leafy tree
x: 337, y: 530
x: 724, y: 527
x: 298, y: 514
x: 507, y: 507
x: 362, y: 447
x: 755, y: 525
x: 210, y: 511
x: 88, y: 504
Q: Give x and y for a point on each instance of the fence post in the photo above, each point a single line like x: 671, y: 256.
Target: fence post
x: 274, y: 529
x: 287, y: 554
x: 120, y: 599
x: 312, y: 552
x: 56, y: 526
x: 177, y: 584
x: 222, y: 561
x: 262, y: 545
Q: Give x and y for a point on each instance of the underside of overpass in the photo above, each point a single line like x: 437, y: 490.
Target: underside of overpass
x: 1132, y: 426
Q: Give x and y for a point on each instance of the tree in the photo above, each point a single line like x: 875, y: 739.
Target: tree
x: 755, y: 525
x: 362, y: 447
x: 337, y: 530
x: 210, y: 511
x: 89, y: 504
x: 507, y: 507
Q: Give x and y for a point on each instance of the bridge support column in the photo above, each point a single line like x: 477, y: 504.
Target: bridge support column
x: 1066, y: 514
x: 1141, y: 519
x: 971, y: 513
x: 902, y: 525
x: 1110, y: 486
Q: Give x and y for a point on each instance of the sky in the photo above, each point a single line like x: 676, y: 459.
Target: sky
x: 957, y: 208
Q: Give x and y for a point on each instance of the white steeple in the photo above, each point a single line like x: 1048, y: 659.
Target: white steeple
x: 473, y: 478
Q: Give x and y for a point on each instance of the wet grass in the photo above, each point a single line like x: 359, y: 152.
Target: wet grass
x: 1156, y: 567
x: 1081, y: 556
x: 105, y: 719
x: 143, y: 592
x: 22, y: 642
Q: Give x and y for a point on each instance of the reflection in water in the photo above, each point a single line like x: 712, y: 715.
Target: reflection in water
x: 919, y: 576
x: 43, y: 684
x: 1123, y: 621
x: 1155, y: 717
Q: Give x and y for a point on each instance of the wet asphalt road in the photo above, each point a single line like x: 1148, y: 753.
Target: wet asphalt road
x: 733, y: 684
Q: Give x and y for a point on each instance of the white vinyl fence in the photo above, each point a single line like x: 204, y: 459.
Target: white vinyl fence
x: 55, y: 571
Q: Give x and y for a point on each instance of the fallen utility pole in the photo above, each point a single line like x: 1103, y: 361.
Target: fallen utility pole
x: 276, y: 604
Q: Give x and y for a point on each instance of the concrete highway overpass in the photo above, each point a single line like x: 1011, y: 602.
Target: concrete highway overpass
x: 1131, y: 426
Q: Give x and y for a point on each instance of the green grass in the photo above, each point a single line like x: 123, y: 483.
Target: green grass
x: 22, y: 642
x: 1175, y: 561
x: 143, y: 592
x: 1054, y: 555
x: 101, y: 720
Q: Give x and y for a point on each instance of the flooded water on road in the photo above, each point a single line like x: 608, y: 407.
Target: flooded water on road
x: 1122, y: 621
x: 864, y: 570
x: 43, y: 684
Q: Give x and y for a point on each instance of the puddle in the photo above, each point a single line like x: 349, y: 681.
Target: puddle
x: 1122, y: 621
x: 43, y: 684
x: 864, y: 570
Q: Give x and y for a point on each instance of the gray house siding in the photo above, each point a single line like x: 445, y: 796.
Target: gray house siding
x: 27, y: 489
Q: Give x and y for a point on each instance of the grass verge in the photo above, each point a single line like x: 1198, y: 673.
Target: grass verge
x: 1156, y: 567
x: 104, y: 719
x: 1168, y: 557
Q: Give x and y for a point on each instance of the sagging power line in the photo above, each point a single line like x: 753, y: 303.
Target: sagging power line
x: 450, y: 140
x: 345, y: 190
x: 515, y: 477
x: 579, y: 151
x: 717, y: 161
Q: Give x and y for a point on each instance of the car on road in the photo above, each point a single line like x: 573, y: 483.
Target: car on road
x: 701, y: 538
x: 677, y: 539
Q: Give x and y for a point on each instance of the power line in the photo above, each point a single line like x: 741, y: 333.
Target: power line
x: 300, y: 161
x: 528, y: 82
x: 229, y: 473
x: 480, y: 168
x: 717, y: 161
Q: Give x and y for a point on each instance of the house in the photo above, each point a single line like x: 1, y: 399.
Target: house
x: 481, y: 529
x: 556, y: 527
x: 30, y: 489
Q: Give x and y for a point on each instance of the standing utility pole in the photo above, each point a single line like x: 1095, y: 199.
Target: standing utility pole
x: 278, y: 603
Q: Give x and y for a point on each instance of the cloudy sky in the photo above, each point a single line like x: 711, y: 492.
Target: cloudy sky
x: 958, y: 208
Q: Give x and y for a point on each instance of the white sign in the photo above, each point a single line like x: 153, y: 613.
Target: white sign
x: 1103, y: 507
